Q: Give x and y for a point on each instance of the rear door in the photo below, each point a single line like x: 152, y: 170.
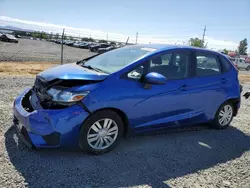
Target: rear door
x: 208, y: 87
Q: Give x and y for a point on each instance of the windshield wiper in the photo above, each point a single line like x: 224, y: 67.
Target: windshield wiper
x: 93, y: 68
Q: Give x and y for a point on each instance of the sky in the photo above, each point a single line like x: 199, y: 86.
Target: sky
x: 156, y: 21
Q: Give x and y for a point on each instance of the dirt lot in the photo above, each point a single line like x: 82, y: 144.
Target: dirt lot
x: 43, y: 51
x: 190, y: 157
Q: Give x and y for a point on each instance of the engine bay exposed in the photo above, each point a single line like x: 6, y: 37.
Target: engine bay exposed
x: 41, y: 86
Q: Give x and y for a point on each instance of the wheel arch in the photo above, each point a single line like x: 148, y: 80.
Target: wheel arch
x: 234, y: 101
x: 123, y: 116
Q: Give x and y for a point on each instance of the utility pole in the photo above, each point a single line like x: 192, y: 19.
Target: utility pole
x: 136, y: 37
x: 62, y: 47
x: 127, y: 41
x: 203, y: 37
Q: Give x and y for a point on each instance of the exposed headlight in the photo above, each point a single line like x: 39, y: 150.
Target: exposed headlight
x: 66, y: 96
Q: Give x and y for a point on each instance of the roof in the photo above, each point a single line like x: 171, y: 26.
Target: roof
x: 163, y: 47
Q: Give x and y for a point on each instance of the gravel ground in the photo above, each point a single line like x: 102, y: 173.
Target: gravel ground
x: 191, y: 157
x: 34, y: 50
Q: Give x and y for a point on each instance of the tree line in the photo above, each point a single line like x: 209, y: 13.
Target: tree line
x: 57, y: 36
x: 242, y: 48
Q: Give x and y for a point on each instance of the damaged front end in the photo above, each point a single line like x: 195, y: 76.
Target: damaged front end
x: 51, y: 113
x: 51, y: 120
x: 52, y: 94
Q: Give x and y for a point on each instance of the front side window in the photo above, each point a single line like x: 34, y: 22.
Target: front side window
x: 172, y: 65
x: 206, y: 64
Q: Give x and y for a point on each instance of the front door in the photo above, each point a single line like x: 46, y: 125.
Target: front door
x: 158, y: 106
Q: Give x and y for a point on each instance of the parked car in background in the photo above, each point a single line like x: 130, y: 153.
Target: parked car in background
x: 135, y: 89
x: 18, y: 36
x: 76, y: 44
x: 242, y: 64
x: 69, y: 43
x: 103, y: 50
x: 94, y: 48
x: 8, y: 38
x: 84, y: 45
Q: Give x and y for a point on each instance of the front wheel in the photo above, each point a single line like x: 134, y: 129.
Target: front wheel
x: 101, y: 132
x: 223, y: 116
x: 248, y: 68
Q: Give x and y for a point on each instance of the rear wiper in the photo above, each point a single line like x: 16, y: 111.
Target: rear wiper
x: 93, y: 68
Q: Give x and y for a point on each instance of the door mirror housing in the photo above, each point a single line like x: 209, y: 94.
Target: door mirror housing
x: 154, y: 78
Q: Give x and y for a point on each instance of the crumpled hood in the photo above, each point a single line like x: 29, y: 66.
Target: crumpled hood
x: 71, y: 71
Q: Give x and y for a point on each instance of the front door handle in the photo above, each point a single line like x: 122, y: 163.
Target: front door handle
x: 183, y: 87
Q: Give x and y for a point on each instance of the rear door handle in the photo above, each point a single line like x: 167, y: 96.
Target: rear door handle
x: 223, y: 80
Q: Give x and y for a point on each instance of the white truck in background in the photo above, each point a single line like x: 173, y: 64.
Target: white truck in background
x: 241, y: 63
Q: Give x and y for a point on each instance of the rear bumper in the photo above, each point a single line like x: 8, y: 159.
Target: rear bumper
x: 38, y: 127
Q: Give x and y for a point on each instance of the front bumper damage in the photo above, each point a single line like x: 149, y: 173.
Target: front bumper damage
x: 38, y: 127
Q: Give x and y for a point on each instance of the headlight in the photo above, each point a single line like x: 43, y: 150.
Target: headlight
x: 66, y: 96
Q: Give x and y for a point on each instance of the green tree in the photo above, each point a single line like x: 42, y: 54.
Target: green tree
x: 21, y: 33
x: 196, y: 42
x: 91, y: 40
x: 85, y: 39
x: 43, y: 35
x: 35, y: 34
x: 242, y: 48
x: 103, y: 41
x: 226, y: 51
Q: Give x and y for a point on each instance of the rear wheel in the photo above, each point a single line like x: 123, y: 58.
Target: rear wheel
x: 101, y: 132
x: 223, y: 116
x: 248, y: 68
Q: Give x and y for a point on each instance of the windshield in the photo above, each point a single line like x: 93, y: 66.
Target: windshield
x: 115, y: 60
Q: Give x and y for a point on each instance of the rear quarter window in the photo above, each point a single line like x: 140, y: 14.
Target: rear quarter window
x: 226, y: 65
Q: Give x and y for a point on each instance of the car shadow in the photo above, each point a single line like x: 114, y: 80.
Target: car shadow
x: 144, y: 160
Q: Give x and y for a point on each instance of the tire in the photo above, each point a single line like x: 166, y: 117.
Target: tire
x: 104, y: 126
x: 218, y: 122
x: 248, y: 68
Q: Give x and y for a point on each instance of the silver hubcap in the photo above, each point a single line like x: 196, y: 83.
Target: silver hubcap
x: 225, y: 115
x: 102, y: 134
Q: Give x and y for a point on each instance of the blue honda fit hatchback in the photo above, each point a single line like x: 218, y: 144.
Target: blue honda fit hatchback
x: 139, y: 88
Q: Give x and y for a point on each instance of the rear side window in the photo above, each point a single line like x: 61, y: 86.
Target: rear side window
x: 226, y: 65
x: 207, y: 64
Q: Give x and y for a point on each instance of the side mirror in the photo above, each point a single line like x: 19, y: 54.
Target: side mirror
x: 154, y: 78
